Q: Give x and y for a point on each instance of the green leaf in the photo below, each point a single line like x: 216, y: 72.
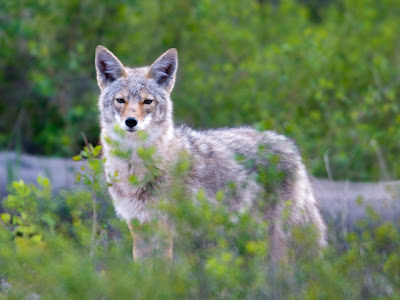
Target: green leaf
x: 97, y: 150
x: 77, y: 158
x: 5, y: 217
x: 43, y: 181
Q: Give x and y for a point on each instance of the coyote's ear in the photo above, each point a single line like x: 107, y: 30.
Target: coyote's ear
x: 108, y: 67
x: 163, y: 70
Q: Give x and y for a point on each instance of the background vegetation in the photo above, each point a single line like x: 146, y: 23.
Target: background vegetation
x: 323, y: 72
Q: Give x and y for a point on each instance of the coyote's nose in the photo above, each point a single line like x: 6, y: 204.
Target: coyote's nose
x: 131, y: 122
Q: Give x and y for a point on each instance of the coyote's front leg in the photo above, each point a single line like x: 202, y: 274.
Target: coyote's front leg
x: 139, y: 248
x: 169, y: 249
x: 135, y: 237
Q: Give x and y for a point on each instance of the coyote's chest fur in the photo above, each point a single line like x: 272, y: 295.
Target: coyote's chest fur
x: 132, y: 185
x: 129, y: 200
x: 136, y: 102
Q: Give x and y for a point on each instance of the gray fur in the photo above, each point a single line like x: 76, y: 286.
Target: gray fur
x: 212, y: 153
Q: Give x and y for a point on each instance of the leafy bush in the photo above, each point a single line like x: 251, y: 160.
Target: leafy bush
x: 72, y: 246
x: 324, y: 73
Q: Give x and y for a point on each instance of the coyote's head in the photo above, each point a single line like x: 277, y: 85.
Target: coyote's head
x: 135, y: 99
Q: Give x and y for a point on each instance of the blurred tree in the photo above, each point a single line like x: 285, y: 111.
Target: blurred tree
x: 322, y: 72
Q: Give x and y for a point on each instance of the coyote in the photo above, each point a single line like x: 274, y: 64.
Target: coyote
x: 134, y: 100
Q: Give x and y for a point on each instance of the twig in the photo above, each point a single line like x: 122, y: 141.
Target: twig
x: 94, y: 202
x: 327, y: 166
x: 16, y: 125
x: 381, y: 161
x: 344, y: 206
x: 85, y: 139
x: 94, y: 223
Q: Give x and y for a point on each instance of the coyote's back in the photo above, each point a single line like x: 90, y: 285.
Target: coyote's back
x: 135, y: 100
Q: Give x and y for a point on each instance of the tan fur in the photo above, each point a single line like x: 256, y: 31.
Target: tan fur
x: 212, y: 154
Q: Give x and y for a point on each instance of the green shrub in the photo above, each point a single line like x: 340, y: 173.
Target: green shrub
x: 71, y: 246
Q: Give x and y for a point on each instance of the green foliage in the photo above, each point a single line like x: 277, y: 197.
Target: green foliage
x: 324, y: 74
x: 72, y: 246
x: 35, y: 205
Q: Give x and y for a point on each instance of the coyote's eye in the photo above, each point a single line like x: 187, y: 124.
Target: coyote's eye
x: 120, y: 100
x: 147, y: 101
